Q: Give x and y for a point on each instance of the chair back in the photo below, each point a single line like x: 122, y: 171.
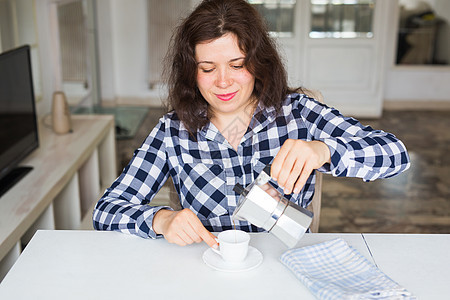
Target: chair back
x: 316, y: 202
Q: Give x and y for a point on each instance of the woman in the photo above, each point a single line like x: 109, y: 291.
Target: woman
x: 233, y: 114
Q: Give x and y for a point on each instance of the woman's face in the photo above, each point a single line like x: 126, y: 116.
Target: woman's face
x: 222, y: 78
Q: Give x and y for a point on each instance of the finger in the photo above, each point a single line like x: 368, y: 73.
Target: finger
x: 287, y: 168
x: 176, y: 230
x: 265, y: 187
x: 272, y: 192
x: 211, y: 240
x: 188, y: 227
x: 277, y: 163
x: 306, y: 172
x: 294, y: 175
x: 185, y: 237
x: 202, y: 232
x: 192, y: 233
x: 174, y: 238
x: 178, y: 240
x: 208, y: 237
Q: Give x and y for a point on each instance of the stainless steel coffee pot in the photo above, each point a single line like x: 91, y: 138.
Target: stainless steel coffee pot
x: 263, y: 206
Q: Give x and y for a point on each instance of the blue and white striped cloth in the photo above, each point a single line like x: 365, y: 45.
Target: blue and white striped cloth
x: 334, y: 270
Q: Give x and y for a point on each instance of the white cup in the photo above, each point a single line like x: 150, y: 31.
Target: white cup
x: 233, y: 245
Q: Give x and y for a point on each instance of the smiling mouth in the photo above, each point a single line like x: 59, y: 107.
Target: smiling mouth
x: 226, y: 97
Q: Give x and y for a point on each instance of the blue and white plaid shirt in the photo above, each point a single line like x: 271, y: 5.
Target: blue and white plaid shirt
x: 204, y: 170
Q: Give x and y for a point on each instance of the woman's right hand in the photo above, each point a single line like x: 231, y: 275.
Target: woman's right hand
x: 182, y: 228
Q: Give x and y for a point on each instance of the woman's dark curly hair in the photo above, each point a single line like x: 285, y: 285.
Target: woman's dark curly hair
x: 210, y: 20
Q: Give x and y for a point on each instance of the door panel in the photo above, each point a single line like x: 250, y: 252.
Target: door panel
x: 348, y: 71
x: 339, y: 67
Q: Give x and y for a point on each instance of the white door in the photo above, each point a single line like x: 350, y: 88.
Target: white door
x: 348, y: 71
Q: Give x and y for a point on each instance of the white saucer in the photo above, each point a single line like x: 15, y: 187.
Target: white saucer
x: 254, y: 259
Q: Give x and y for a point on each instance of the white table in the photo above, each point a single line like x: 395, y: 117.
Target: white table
x: 111, y: 265
x: 70, y: 171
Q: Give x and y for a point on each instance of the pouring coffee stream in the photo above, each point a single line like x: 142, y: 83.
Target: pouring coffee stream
x: 279, y: 216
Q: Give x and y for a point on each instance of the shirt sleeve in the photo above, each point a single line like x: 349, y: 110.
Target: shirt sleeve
x: 356, y: 150
x: 124, y: 206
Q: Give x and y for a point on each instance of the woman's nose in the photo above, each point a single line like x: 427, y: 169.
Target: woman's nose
x: 224, y: 79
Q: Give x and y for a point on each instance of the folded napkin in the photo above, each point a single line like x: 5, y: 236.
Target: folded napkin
x: 334, y: 270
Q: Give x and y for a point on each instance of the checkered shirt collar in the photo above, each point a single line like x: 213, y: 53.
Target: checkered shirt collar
x: 263, y: 117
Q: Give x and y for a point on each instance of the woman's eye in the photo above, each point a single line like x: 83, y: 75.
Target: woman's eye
x: 237, y: 67
x: 207, y: 70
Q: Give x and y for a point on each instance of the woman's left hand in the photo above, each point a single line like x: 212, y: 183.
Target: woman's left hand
x: 295, y: 162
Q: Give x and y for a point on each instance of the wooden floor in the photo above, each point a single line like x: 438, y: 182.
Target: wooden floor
x: 417, y: 201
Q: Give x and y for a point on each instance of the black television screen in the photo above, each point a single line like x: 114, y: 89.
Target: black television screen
x: 18, y: 125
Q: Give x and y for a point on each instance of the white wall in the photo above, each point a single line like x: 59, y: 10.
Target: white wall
x: 123, y: 59
x: 130, y: 48
x: 123, y: 50
x: 45, y: 56
x: 417, y: 83
x: 443, y: 11
x: 129, y: 65
x: 106, y: 50
x: 123, y: 40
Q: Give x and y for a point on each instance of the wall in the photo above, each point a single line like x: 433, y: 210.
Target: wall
x: 443, y: 9
x: 418, y: 83
x: 129, y: 41
x: 18, y: 28
x: 106, y: 50
x: 129, y: 28
x: 123, y: 60
x: 123, y: 50
x: 413, y: 84
x: 45, y: 56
